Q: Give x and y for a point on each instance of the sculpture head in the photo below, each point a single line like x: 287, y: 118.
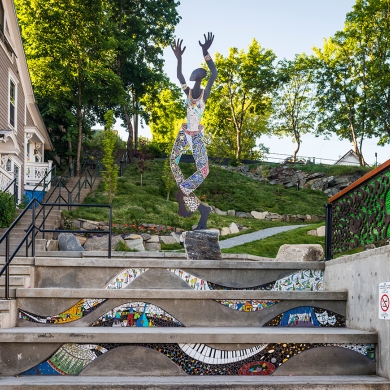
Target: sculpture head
x: 198, y: 74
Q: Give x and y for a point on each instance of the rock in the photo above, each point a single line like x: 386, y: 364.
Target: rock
x: 137, y: 244
x: 68, y: 242
x: 214, y: 230
x: 369, y: 247
x: 89, y: 226
x: 312, y: 232
x: 146, y: 236
x: 316, y: 218
x: 202, y: 245
x: 167, y: 240
x: 231, y: 213
x: 308, y: 217
x: 133, y: 237
x: 152, y: 246
x: 101, y: 243
x: 300, y: 216
x: 300, y: 252
x: 240, y: 226
x: 321, y: 231
x: 219, y: 212
x: 241, y: 214
x: 176, y: 237
x: 52, y: 245
x: 82, y: 239
x: 234, y: 228
x: 225, y: 231
x: 179, y: 230
x: 259, y: 214
x: 154, y: 239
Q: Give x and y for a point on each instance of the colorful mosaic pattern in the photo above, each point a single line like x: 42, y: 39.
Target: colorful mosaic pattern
x: 125, y: 278
x: 140, y: 314
x: 79, y: 310
x: 193, y: 359
x: 307, y: 316
x: 305, y: 280
x: 247, y: 306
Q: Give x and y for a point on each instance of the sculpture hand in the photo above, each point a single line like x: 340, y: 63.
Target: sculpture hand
x: 176, y: 47
x: 207, y: 41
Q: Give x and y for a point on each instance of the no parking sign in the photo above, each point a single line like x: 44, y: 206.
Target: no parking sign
x: 384, y: 301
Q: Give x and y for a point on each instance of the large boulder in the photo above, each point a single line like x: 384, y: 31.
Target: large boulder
x: 202, y: 245
x: 101, y: 243
x: 68, y: 242
x: 300, y: 252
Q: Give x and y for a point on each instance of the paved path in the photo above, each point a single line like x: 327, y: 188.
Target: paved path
x: 259, y: 235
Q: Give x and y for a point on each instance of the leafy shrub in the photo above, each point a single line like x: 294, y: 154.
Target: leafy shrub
x: 7, y: 209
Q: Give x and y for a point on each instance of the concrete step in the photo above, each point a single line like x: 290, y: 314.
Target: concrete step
x: 194, y: 335
x: 5, y: 305
x: 337, y: 382
x: 19, y: 260
x: 15, y: 281
x: 19, y: 270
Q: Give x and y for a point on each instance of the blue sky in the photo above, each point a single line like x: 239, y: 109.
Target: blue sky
x: 288, y: 27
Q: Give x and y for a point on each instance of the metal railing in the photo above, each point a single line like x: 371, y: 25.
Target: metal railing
x: 46, y: 182
x: 359, y: 214
x: 33, y: 230
x: 16, y: 189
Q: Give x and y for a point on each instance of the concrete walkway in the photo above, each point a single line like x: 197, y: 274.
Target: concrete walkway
x: 259, y: 235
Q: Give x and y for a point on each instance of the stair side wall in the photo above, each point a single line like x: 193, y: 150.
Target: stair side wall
x: 360, y: 275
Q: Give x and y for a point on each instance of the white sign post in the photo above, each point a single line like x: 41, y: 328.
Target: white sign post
x: 384, y: 301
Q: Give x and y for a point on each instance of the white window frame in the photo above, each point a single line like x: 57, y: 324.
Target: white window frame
x: 12, y: 78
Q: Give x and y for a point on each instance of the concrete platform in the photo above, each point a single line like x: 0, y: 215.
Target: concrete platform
x: 206, y: 335
x: 363, y: 382
x: 63, y: 293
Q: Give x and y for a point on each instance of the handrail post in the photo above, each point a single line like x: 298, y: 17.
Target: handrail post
x: 328, y: 231
x: 7, y: 268
x: 33, y: 229
x: 110, y: 232
x: 44, y: 219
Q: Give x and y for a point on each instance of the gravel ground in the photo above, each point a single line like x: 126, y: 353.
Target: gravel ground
x: 231, y: 242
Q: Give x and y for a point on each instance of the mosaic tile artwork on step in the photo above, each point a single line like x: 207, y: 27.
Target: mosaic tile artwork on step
x: 304, y: 280
x: 140, y: 314
x: 307, y: 316
x: 124, y: 278
x: 193, y: 359
x: 248, y: 305
x: 77, y: 311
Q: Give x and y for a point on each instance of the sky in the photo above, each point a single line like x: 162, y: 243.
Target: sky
x: 288, y: 27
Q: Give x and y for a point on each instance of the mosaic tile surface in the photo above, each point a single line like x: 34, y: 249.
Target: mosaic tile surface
x: 140, y: 314
x: 248, y: 305
x: 305, y: 280
x: 79, y: 310
x: 125, y: 278
x: 193, y: 359
x: 307, y: 316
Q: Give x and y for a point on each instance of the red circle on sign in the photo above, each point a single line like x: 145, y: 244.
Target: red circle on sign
x: 385, y: 302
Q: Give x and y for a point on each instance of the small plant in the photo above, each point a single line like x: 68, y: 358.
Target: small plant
x: 169, y: 180
x: 68, y: 223
x: 25, y: 200
x: 143, y: 156
x: 7, y: 209
x: 122, y: 247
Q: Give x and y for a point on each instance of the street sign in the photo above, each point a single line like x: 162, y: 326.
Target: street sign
x: 384, y: 301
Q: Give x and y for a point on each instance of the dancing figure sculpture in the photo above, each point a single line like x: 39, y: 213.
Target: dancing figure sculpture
x: 191, y: 134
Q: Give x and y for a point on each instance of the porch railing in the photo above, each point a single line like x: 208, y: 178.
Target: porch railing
x: 35, y: 172
x: 359, y: 214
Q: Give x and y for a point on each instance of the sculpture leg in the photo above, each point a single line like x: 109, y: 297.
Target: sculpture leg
x: 177, y: 150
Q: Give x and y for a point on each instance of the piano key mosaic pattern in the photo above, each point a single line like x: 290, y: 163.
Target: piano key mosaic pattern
x: 307, y: 316
x: 193, y: 359
x: 79, y: 310
x: 140, y: 314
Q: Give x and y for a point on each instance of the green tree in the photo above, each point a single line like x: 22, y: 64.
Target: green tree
x: 241, y: 98
x: 111, y: 170
x: 343, y: 91
x: 142, y: 28
x: 293, y: 104
x: 367, y: 31
x: 96, y: 142
x: 69, y: 52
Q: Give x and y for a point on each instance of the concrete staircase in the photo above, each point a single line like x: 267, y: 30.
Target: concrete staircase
x: 156, y: 320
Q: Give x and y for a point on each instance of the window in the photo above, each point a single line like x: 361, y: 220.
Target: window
x: 12, y: 103
x: 1, y: 16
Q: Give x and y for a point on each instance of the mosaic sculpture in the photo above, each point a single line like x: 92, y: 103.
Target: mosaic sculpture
x: 191, y: 134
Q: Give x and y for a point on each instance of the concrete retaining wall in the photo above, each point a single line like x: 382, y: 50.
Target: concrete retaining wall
x: 360, y: 275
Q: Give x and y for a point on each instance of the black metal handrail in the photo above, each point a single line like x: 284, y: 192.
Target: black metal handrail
x: 33, y: 230
x: 14, y: 182
x: 43, y: 180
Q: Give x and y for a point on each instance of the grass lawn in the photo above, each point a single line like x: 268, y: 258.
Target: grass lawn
x: 136, y: 204
x: 269, y: 247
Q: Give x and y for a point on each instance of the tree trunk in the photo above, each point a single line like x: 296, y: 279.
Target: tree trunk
x: 130, y: 132
x: 79, y: 128
x: 238, y: 151
x: 298, y: 141
x: 135, y: 118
